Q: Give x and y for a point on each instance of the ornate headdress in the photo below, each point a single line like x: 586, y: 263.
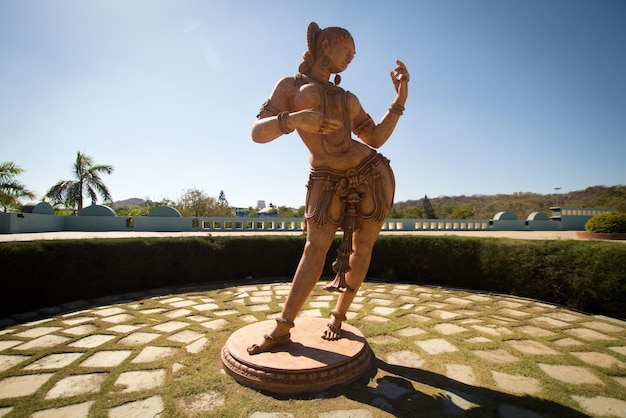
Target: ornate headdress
x: 314, y: 38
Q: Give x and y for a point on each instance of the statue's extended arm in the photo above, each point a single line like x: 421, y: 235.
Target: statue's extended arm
x: 270, y: 123
x: 277, y: 116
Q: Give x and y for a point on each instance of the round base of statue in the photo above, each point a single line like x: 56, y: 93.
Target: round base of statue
x: 307, y: 364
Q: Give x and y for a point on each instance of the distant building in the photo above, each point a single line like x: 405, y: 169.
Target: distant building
x: 574, y: 219
x: 271, y: 210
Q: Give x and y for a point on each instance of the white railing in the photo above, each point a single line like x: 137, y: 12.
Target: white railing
x: 250, y: 224
x: 435, y: 225
x: 297, y: 224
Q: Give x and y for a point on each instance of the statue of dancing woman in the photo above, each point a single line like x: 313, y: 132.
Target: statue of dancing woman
x: 351, y: 186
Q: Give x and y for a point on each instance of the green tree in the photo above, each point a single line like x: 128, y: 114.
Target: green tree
x: 11, y: 190
x: 222, y: 199
x: 142, y: 209
x: 410, y: 212
x: 463, y: 212
x: 87, y: 181
x: 195, y: 202
x: 608, y: 222
x: 429, y: 211
x: 395, y: 213
x: 414, y: 212
x: 132, y: 210
x: 287, y: 212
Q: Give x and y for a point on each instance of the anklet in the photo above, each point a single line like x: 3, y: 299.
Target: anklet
x: 287, y: 322
x: 338, y: 315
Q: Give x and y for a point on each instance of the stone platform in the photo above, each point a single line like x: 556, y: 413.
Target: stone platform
x: 307, y: 364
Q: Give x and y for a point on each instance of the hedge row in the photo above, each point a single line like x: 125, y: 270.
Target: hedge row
x: 583, y: 275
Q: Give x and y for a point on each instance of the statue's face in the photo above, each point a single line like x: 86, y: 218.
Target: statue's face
x: 340, y: 55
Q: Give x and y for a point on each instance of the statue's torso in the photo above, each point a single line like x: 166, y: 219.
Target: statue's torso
x: 337, y: 149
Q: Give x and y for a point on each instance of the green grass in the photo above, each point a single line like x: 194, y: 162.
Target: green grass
x: 424, y: 387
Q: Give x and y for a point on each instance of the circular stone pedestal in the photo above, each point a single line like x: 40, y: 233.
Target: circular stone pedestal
x: 309, y: 363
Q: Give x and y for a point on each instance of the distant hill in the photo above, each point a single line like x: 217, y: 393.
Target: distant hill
x: 129, y: 202
x: 521, y: 204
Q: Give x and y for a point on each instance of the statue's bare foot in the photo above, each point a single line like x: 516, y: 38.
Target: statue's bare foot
x: 332, y: 332
x: 268, y: 343
x: 279, y: 336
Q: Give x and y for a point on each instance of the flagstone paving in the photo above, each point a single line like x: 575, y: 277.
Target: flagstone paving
x: 439, y: 352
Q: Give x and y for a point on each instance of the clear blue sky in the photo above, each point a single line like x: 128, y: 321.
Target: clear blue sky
x: 505, y: 96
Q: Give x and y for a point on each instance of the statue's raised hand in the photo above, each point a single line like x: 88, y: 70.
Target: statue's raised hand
x: 400, y: 75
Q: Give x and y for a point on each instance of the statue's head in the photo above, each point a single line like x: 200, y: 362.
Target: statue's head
x: 320, y: 43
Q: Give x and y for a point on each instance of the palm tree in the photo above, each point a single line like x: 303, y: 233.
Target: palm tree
x: 87, y: 180
x: 11, y: 190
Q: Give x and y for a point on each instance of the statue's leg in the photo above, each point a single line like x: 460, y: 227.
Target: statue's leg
x: 319, y: 239
x: 362, y: 244
x: 380, y: 195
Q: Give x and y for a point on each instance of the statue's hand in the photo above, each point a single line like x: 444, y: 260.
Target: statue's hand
x: 313, y: 121
x: 400, y: 75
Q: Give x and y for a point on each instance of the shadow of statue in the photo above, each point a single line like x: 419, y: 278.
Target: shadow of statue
x: 410, y: 392
x: 396, y: 390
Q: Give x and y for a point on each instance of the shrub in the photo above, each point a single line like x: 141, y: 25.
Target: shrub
x: 582, y: 275
x: 608, y: 222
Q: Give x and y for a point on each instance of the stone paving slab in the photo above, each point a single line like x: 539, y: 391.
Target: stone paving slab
x: 440, y: 351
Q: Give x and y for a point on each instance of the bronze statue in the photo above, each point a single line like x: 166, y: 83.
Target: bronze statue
x: 350, y: 185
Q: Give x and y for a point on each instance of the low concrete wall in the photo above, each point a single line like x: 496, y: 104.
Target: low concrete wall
x: 568, y: 219
x: 20, y: 223
x: 95, y: 223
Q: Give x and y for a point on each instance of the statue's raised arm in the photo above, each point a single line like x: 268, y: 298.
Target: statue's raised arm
x: 376, y: 135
